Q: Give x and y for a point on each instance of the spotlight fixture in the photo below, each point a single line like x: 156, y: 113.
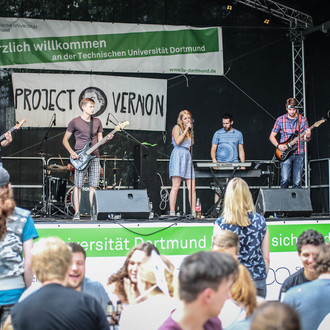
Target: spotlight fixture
x: 266, y: 21
x: 229, y: 7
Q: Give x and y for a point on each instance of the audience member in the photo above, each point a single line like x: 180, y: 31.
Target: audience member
x: 17, y: 232
x: 274, y: 315
x: 55, y: 306
x: 154, y: 305
x: 226, y: 241
x: 243, y: 299
x: 240, y: 217
x: 124, y: 282
x: 307, y: 245
x: 242, y: 303
x: 205, y: 279
x: 311, y: 299
x: 77, y: 280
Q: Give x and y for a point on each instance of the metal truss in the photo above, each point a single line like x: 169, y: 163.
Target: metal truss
x: 293, y: 17
x: 297, y: 21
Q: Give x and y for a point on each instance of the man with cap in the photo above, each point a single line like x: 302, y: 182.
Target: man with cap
x: 17, y: 232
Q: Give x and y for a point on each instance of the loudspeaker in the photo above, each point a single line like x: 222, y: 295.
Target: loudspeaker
x: 153, y: 189
x: 287, y: 202
x: 145, y: 161
x: 129, y: 204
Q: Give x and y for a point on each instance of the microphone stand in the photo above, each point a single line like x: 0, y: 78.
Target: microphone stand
x: 132, y: 138
x: 301, y: 172
x: 191, y: 174
x: 45, y: 177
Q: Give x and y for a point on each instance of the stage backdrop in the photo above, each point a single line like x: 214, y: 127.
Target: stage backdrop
x: 107, y: 245
x: 141, y: 101
x: 110, y: 47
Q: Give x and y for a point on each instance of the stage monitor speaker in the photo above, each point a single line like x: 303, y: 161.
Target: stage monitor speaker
x: 284, y: 202
x: 125, y: 204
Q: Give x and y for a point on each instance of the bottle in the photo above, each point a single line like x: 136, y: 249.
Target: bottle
x: 198, y: 209
x: 110, y: 311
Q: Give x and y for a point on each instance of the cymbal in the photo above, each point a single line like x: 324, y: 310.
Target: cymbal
x: 107, y: 156
x: 57, y: 168
x: 116, y: 168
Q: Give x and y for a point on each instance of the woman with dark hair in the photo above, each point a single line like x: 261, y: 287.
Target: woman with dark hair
x: 156, y: 302
x: 180, y: 167
x: 17, y: 232
x: 124, y: 282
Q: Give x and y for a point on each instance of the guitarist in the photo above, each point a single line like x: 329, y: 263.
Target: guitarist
x: 291, y: 123
x: 7, y: 141
x: 80, y: 127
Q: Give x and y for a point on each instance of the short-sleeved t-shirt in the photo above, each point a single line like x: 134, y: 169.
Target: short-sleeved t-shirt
x: 228, y: 143
x: 81, y: 131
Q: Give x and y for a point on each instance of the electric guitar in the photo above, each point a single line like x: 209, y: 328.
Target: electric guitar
x: 17, y: 126
x: 291, y: 143
x: 85, y: 153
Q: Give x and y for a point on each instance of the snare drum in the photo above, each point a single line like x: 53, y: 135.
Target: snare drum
x: 84, y: 207
x: 57, y: 189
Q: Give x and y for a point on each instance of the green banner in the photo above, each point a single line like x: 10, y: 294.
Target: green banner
x: 110, y: 47
x: 170, y: 239
x: 107, y: 46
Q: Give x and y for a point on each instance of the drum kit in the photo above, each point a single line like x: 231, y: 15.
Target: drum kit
x: 58, y: 193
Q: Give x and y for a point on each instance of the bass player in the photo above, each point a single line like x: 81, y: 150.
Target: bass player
x: 291, y: 124
x: 85, y: 128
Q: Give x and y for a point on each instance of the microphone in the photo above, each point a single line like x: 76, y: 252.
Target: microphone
x: 191, y: 123
x: 54, y: 121
x: 295, y: 107
x: 108, y: 119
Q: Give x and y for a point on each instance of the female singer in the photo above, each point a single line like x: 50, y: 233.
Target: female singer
x: 180, y: 163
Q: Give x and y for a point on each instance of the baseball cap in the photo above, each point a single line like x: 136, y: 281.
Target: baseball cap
x: 4, y: 177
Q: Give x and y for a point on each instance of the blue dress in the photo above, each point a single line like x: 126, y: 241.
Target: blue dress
x: 180, y: 161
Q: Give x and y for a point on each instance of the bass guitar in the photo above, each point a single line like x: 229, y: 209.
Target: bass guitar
x: 85, y: 153
x: 291, y: 143
x: 17, y: 126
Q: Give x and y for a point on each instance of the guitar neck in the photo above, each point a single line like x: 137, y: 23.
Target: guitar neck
x: 3, y: 137
x: 301, y: 135
x: 95, y: 146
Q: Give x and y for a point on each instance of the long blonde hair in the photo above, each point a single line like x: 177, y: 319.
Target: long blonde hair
x: 180, y: 123
x: 238, y: 203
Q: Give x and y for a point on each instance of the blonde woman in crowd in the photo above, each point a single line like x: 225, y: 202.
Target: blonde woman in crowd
x: 240, y: 217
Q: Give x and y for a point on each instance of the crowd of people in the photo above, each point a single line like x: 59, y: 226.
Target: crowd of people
x: 224, y: 288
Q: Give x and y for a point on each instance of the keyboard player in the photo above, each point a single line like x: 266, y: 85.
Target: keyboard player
x: 227, y: 146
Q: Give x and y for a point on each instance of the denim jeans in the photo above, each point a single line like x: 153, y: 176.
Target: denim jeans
x: 261, y: 287
x: 295, y: 163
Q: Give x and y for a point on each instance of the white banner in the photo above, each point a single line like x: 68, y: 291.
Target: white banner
x: 110, y: 47
x: 141, y: 101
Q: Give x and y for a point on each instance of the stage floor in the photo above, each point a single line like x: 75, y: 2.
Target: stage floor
x: 182, y: 219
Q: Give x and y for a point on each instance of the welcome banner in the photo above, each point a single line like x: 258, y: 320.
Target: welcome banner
x: 41, y: 98
x: 110, y: 47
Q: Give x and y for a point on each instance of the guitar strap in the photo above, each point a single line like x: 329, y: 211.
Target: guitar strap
x: 91, y: 129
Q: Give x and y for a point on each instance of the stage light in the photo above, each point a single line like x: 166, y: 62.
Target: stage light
x: 266, y: 21
x: 229, y: 7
